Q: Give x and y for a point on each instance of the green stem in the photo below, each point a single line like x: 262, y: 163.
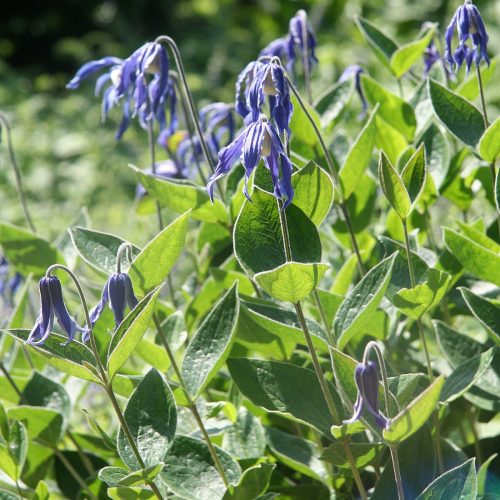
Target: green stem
x: 192, y: 404
x: 17, y: 173
x: 11, y: 380
x: 106, y: 383
x: 317, y: 367
x: 74, y: 473
x: 152, y: 156
x: 486, y: 125
x: 83, y: 457
x: 333, y: 173
x: 305, y: 56
x: 397, y: 472
x: 322, y: 314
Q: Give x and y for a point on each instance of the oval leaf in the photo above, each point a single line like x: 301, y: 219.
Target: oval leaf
x: 393, y: 187
x: 489, y: 145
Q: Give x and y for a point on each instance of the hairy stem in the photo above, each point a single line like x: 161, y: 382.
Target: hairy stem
x: 17, y: 173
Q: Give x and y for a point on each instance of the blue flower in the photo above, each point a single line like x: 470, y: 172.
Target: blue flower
x: 243, y: 83
x: 258, y: 140
x: 354, y: 71
x: 8, y: 284
x: 366, y: 378
x: 301, y: 40
x: 118, y: 291
x: 52, y: 303
x: 469, y: 25
x: 217, y: 123
x: 276, y: 48
x: 140, y: 84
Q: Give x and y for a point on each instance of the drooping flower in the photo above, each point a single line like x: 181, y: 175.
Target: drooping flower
x: 140, y: 84
x: 52, y: 303
x: 258, y: 140
x: 354, y: 72
x: 217, y: 123
x: 8, y: 283
x: 301, y: 40
x: 243, y: 83
x: 366, y: 378
x: 119, y: 292
x: 469, y: 25
x: 276, y: 48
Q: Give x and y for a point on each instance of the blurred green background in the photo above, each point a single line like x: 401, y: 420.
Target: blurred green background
x: 71, y: 160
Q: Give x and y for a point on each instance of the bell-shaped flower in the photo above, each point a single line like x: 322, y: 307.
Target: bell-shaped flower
x: 218, y: 124
x: 258, y: 140
x: 243, y: 83
x: 468, y: 23
x: 269, y: 80
x: 354, y: 72
x: 276, y: 48
x: 118, y: 291
x: 366, y: 378
x: 52, y: 304
x: 301, y: 40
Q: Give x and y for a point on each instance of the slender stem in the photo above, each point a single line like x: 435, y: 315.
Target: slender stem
x: 324, y: 320
x: 11, y: 380
x: 397, y: 472
x: 17, y: 173
x: 317, y: 367
x: 400, y: 87
x: 103, y: 374
x: 73, y: 472
x: 189, y: 125
x: 192, y: 405
x: 477, y: 446
x: 84, y: 458
x: 124, y: 247
x: 305, y: 56
x: 152, y: 155
x: 486, y: 125
x: 333, y: 173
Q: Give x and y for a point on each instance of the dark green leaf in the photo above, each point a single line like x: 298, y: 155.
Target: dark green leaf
x: 393, y: 187
x: 252, y: 484
x: 485, y: 311
x: 383, y: 46
x: 363, y: 454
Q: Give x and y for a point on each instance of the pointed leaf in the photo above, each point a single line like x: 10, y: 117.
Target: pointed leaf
x: 383, y: 46
x: 211, y: 343
x: 489, y: 145
x: 393, y: 187
x: 152, y: 265
x: 407, y: 55
x: 152, y: 419
x: 362, y: 453
x: 485, y: 311
x: 414, y: 174
x: 252, y: 484
x: 457, y: 114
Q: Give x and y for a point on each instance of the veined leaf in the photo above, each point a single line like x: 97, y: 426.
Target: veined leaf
x: 393, y: 187
x: 489, y: 145
x: 407, y: 55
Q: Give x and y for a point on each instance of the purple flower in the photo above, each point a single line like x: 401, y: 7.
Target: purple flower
x: 469, y: 25
x: 52, y: 303
x: 301, y: 40
x: 258, y: 140
x: 354, y: 72
x: 243, y: 83
x: 8, y: 284
x: 118, y: 291
x: 366, y: 378
x: 140, y: 84
x: 277, y: 48
x: 217, y: 123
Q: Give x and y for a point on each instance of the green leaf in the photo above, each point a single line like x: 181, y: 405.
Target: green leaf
x: 143, y: 476
x: 99, y: 250
x: 414, y: 175
x: 43, y: 425
x: 42, y: 491
x: 252, y: 484
x: 457, y: 114
x: 152, y: 419
x: 459, y: 483
x: 354, y: 314
x: 489, y: 145
x: 211, y: 343
x: 485, y: 311
x: 497, y: 191
x: 393, y: 187
x: 152, y: 265
x: 26, y: 251
x: 415, y: 302
x: 393, y: 110
x: 301, y: 127
x: 359, y: 157
x: 43, y: 391
x: 465, y: 376
x: 436, y: 153
x: 415, y: 415
x: 389, y: 139
x: 190, y: 471
x: 113, y: 475
x: 383, y: 46
x: 280, y: 387
x: 292, y: 281
x: 332, y: 102
x: 127, y: 493
x: 181, y: 196
x: 68, y: 358
x: 297, y: 453
x: 313, y: 192
x: 258, y: 241
x: 18, y: 447
x: 363, y: 454
x: 407, y: 55
x: 475, y: 258
x: 130, y: 332
x: 469, y: 87
x: 482, y: 476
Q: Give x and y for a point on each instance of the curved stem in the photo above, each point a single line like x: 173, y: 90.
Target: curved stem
x: 333, y: 172
x: 305, y: 56
x: 124, y: 247
x: 192, y: 404
x: 17, y: 173
x: 105, y: 381
x: 175, y: 77
x: 152, y: 155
